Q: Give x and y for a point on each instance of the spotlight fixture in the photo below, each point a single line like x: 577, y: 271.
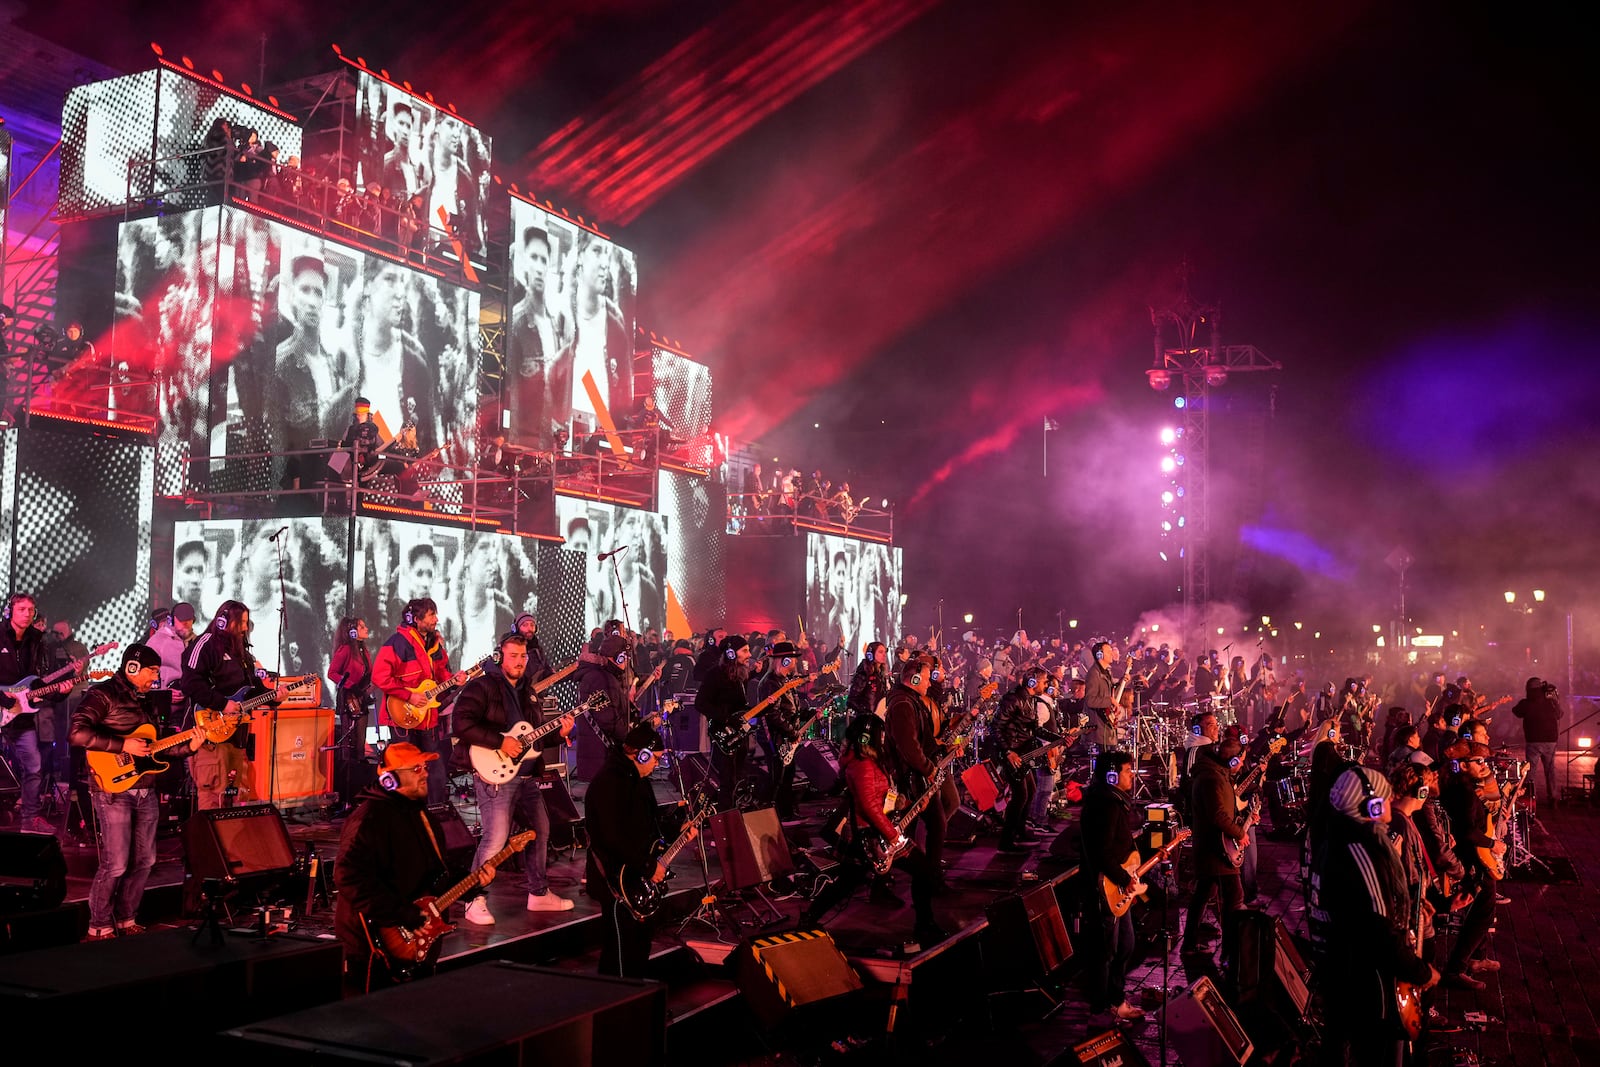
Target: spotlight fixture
x: 1160, y: 379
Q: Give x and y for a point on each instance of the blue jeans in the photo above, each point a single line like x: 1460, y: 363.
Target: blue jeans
x: 127, y: 854
x: 1044, y: 784
x: 1544, y: 752
x: 29, y: 764
x: 496, y: 806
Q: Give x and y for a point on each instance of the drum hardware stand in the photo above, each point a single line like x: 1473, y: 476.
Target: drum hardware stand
x: 1521, y: 854
x: 708, y: 911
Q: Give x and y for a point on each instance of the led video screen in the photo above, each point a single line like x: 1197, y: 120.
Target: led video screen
x: 682, y: 391
x: 572, y: 318
x: 260, y: 337
x: 696, y: 512
x: 237, y: 559
x: 78, y: 510
x: 852, y: 590
x: 591, y: 529
x: 412, y: 148
x: 158, y: 115
x: 5, y: 192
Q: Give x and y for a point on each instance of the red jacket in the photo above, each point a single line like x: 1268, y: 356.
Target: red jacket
x: 869, y: 788
x: 398, y: 670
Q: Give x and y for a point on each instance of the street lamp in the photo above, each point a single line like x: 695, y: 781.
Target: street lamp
x: 1538, y: 594
x: 1511, y: 597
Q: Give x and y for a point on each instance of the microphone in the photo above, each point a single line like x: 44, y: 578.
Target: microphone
x: 602, y: 557
x: 279, y: 534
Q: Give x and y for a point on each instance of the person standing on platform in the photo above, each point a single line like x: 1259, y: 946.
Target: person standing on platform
x: 1464, y: 801
x: 1540, y: 713
x: 538, y: 661
x: 217, y: 669
x: 487, y: 709
x: 170, y: 639
x: 104, y: 722
x: 1016, y: 731
x: 782, y: 725
x: 1098, y: 691
x: 913, y: 750
x: 1106, y: 826
x: 722, y: 699
x: 351, y: 673
x: 603, y: 671
x: 620, y: 812
x: 23, y: 655
x: 870, y: 684
x: 411, y: 656
x: 1215, y: 817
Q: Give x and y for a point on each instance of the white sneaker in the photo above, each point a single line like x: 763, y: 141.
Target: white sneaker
x: 478, y: 912
x: 548, y: 901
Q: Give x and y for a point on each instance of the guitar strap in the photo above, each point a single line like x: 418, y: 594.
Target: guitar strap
x: 432, y: 840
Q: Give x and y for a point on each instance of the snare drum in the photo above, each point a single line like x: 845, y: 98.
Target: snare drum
x: 1291, y: 791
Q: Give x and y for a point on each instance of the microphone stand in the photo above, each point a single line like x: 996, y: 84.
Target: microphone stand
x: 283, y: 641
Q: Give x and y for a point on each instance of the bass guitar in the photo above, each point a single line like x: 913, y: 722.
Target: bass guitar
x: 409, y: 716
x: 404, y: 946
x: 545, y: 683
x: 637, y: 890
x: 1245, y: 784
x: 881, y: 854
x: 730, y: 735
x: 1234, y: 850
x: 1121, y: 899
x: 1031, y: 759
x: 1493, y: 862
x: 787, y: 750
x: 496, y: 768
x: 33, y: 687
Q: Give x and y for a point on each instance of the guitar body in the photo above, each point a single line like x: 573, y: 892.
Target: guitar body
x: 217, y: 726
x: 409, y: 716
x: 1119, y: 899
x: 1408, y: 1008
x: 118, y: 772
x: 411, y: 946
x: 730, y: 736
x: 640, y: 894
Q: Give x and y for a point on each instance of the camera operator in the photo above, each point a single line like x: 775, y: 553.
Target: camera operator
x: 1540, y: 713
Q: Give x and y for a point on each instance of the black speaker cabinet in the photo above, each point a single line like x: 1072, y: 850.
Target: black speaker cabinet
x: 459, y: 845
x: 751, y: 846
x: 819, y: 763
x: 1026, y: 938
x: 238, y: 843
x: 1204, y: 1029
x: 787, y: 971
x: 565, y: 818
x: 1268, y: 968
x: 33, y: 873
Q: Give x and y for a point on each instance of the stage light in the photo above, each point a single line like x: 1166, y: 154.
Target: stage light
x: 1216, y: 376
x: 1274, y: 633
x: 1585, y: 742
x: 1180, y: 491
x: 816, y: 425
x: 1166, y: 527
x: 1380, y: 641
x: 156, y: 49
x: 903, y: 599
x: 1179, y: 458
x: 1168, y: 435
x: 1180, y: 522
x: 1538, y: 594
x: 1168, y: 465
x: 1163, y: 556
x: 1167, y: 498
x: 1299, y: 625
x: 1072, y: 624
x: 1219, y: 631
x: 1179, y: 402
x: 1160, y: 379
x: 1155, y: 627
x: 1317, y: 635
x: 885, y: 502
x: 967, y: 618
x: 1511, y: 598
x: 1377, y: 628
x: 1266, y: 620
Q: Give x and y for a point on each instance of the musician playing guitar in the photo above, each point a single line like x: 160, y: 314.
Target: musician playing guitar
x: 23, y: 655
x: 105, y: 721
x: 1107, y: 826
x: 486, y: 711
x: 1214, y: 815
x: 783, y: 721
x: 390, y: 853
x: 217, y: 667
x: 914, y: 749
x: 1017, y: 731
x: 413, y: 655
x: 1479, y: 851
x: 721, y: 698
x: 1100, y: 696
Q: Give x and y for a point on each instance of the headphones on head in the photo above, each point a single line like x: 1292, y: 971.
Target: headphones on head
x: 222, y: 621
x: 1099, y: 652
x: 389, y: 780
x: 353, y: 632
x: 730, y: 653
x: 1198, y: 730
x: 132, y: 667
x: 936, y: 675
x: 1032, y: 681
x: 621, y: 659
x: 645, y: 755
x: 1235, y: 762
x: 1374, y: 805
x: 915, y: 679
x: 11, y: 602
x: 1112, y: 778
x: 409, y: 615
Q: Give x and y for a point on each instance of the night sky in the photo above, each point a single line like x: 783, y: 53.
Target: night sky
x: 927, y: 226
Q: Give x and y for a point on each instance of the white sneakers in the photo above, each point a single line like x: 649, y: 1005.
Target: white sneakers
x: 478, y: 912
x: 548, y: 901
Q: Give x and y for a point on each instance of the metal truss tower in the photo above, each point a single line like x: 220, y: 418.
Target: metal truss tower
x: 1189, y: 352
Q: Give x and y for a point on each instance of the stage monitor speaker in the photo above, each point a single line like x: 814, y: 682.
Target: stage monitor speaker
x: 819, y: 763
x: 688, y: 733
x: 787, y: 971
x: 459, y: 845
x: 982, y: 786
x: 564, y: 815
x: 963, y: 827
x: 1204, y: 1029
x: 300, y: 770
x: 33, y: 872
x: 751, y: 847
x: 250, y: 841
x: 1026, y: 936
x: 1110, y: 1049
x: 25, y: 931
x: 1267, y: 965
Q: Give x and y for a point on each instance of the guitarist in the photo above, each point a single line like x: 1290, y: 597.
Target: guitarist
x: 488, y: 707
x: 620, y: 813
x: 412, y: 655
x: 217, y: 665
x: 1017, y: 732
x: 1360, y: 887
x: 23, y: 655
x: 1106, y: 826
x: 108, y: 714
x: 1214, y: 814
x: 603, y: 670
x: 783, y: 721
x: 1099, y: 695
x: 1469, y: 824
x: 913, y: 750
x: 721, y: 698
x: 390, y: 853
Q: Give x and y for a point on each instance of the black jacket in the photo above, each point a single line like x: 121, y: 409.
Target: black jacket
x: 22, y: 657
x: 614, y: 719
x: 869, y: 684
x: 110, y: 711
x: 786, y: 714
x: 1213, y: 811
x: 1469, y: 818
x: 1016, y: 724
x: 678, y: 673
x: 620, y: 812
x: 913, y: 748
x: 1541, y: 718
x: 212, y: 674
x: 1106, y: 826
x: 722, y: 694
x: 487, y: 708
x: 386, y: 861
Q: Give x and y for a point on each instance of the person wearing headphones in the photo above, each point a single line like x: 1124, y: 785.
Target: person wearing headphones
x: 603, y: 671
x: 865, y: 766
x: 870, y: 684
x: 723, y: 697
x: 783, y: 721
x: 1214, y: 813
x: 1106, y: 828
x: 22, y: 654
x: 1017, y: 732
x: 351, y: 674
x: 390, y: 853
x: 914, y: 750
x: 1099, y: 689
x: 1359, y: 889
x: 217, y: 667
x: 104, y: 722
x: 621, y: 814
x: 1463, y: 798
x: 412, y: 655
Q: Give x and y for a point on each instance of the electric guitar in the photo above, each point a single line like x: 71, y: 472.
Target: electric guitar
x: 1245, y: 784
x: 787, y: 750
x: 409, y: 716
x: 1407, y: 997
x: 117, y: 772
x: 729, y: 736
x: 545, y: 683
x: 1496, y: 864
x: 881, y: 854
x: 1121, y: 899
x: 1234, y: 850
x: 1031, y: 759
x: 496, y: 768
x: 33, y: 687
x: 637, y: 890
x: 406, y: 945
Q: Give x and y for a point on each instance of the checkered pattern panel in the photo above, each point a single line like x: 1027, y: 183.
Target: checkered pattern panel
x: 695, y: 509
x: 682, y: 391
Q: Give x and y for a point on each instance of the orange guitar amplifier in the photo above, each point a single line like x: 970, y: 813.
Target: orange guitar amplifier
x: 309, y: 695
x: 292, y: 763
x: 984, y: 786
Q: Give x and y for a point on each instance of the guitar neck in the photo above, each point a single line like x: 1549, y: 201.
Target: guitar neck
x: 681, y: 843
x: 470, y: 882
x: 927, y: 794
x: 542, y: 685
x: 794, y: 683
x: 176, y: 739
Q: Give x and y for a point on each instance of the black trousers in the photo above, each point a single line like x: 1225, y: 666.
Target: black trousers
x: 1022, y: 786
x: 624, y: 941
x: 853, y: 874
x: 1230, y: 889
x: 730, y: 772
x: 1474, y: 926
